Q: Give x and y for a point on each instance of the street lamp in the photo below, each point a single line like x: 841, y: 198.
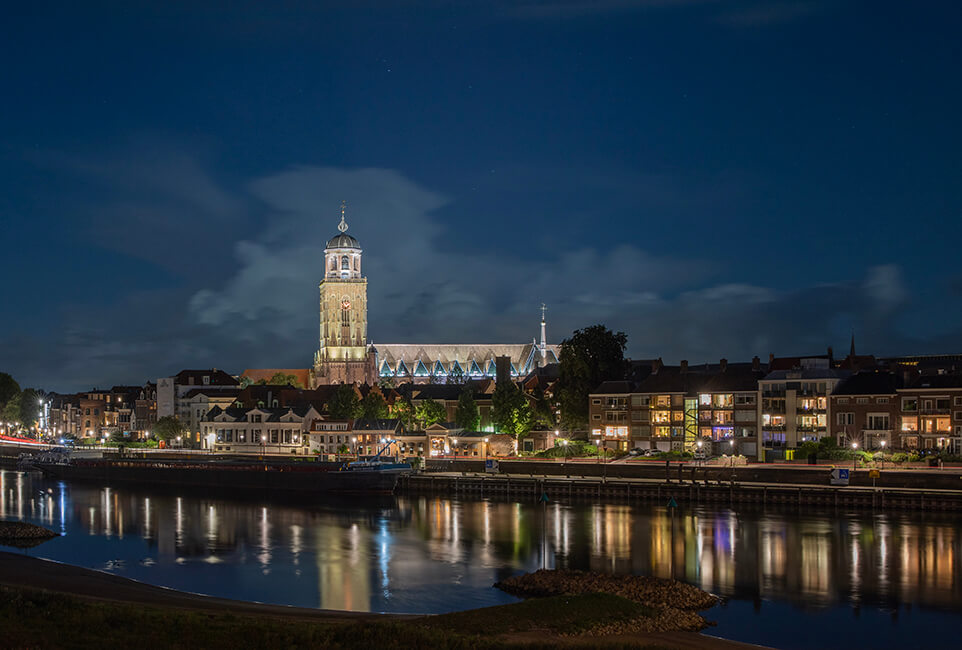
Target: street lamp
x: 454, y: 446
x: 855, y: 457
x: 731, y: 445
x: 354, y: 445
x: 564, y: 443
x: 484, y: 448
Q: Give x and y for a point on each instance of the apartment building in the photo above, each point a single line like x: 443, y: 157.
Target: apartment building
x: 930, y: 412
x: 678, y: 407
x: 795, y: 405
x: 865, y: 410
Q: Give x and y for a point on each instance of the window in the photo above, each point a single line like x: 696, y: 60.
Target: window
x: 96, y: 411
x: 596, y: 401
x: 745, y: 399
x: 616, y: 416
x: 640, y: 400
x: 241, y: 435
x: 910, y: 424
x: 273, y: 436
x: 595, y: 417
x: 843, y: 400
x: 910, y: 404
x: 942, y: 404
x: 704, y: 400
x: 844, y: 418
x: 206, y: 380
x: 662, y: 401
x: 723, y: 400
x: 861, y: 400
x: 882, y: 400
x: 659, y: 417
x: 636, y: 416
x: 958, y: 415
x: 877, y: 421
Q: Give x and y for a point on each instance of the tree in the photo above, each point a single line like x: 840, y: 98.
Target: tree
x: 344, y: 403
x: 11, y: 410
x: 281, y: 379
x: 245, y: 381
x: 374, y: 406
x: 8, y: 388
x: 168, y: 428
x: 467, y: 416
x: 522, y: 419
x: 506, y: 399
x: 430, y: 412
x: 343, y: 449
x: 402, y: 410
x: 543, y: 411
x: 30, y: 406
x: 591, y: 356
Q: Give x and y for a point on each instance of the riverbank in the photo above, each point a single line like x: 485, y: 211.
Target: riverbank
x: 47, y: 604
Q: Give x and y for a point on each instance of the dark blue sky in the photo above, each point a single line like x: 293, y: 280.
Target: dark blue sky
x: 715, y: 178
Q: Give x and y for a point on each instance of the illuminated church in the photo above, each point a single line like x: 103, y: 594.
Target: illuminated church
x: 344, y: 354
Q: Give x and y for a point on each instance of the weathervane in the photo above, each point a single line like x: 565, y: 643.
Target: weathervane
x: 343, y: 225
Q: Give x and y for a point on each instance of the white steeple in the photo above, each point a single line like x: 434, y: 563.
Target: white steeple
x: 544, y: 344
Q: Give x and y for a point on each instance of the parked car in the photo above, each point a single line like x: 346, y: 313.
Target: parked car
x: 651, y: 452
x: 637, y: 451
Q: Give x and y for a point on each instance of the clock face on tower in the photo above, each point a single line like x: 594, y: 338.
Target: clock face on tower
x: 345, y: 304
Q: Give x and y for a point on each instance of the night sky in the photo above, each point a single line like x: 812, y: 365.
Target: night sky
x: 714, y: 178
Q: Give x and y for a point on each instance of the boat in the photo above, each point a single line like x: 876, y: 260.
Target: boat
x: 373, y: 476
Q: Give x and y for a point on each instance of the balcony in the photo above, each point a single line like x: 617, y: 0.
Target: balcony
x: 935, y: 411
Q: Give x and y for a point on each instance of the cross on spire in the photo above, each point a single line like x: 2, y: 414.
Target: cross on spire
x: 343, y: 225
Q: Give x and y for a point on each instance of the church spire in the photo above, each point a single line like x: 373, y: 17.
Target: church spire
x: 343, y: 225
x: 544, y: 346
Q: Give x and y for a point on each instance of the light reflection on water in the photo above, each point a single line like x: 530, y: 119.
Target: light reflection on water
x: 425, y: 554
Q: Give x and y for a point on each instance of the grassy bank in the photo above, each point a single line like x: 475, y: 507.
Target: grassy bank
x: 32, y: 618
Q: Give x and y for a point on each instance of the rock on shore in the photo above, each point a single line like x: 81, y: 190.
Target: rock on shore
x: 20, y: 530
x: 675, y: 604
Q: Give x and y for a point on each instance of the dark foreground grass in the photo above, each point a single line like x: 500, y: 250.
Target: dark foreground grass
x: 36, y: 619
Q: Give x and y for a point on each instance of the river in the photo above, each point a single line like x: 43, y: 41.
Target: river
x: 792, y: 578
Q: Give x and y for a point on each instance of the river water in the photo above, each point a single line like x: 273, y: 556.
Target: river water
x: 792, y: 579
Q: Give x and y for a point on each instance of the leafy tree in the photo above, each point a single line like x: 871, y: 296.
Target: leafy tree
x: 467, y: 415
x: 402, y: 410
x: 374, y: 406
x: 281, y: 379
x: 343, y: 449
x: 591, y: 356
x: 11, y: 410
x: 8, y: 388
x: 168, y: 428
x: 506, y: 399
x: 522, y: 419
x: 245, y: 381
x: 30, y: 406
x: 543, y: 411
x: 430, y: 412
x: 344, y: 403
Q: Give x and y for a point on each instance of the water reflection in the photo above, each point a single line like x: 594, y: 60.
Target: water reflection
x: 433, y: 554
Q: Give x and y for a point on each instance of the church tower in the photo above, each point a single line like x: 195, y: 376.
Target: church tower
x: 342, y: 354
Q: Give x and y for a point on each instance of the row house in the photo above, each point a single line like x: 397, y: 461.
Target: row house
x: 865, y: 411
x: 259, y: 430
x: 680, y: 407
x: 172, y: 392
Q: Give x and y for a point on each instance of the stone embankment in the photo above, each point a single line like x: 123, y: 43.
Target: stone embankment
x: 23, y: 532
x: 674, y: 604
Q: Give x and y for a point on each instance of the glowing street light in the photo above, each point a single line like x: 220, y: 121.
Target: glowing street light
x: 855, y: 457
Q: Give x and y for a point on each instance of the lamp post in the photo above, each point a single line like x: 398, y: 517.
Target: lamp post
x: 731, y: 445
x: 484, y: 449
x: 564, y: 443
x: 354, y: 445
x: 699, y: 443
x: 855, y: 456
x: 454, y: 447
x: 882, y: 443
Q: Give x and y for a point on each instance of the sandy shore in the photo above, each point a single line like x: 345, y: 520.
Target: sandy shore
x: 17, y: 570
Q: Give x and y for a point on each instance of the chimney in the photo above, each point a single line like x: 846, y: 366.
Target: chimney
x: 771, y: 359
x: 723, y: 364
x: 655, y: 365
x: 684, y: 365
x: 756, y: 363
x: 831, y: 357
x: 502, y: 368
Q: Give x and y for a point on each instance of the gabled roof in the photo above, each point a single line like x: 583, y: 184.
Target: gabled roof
x: 614, y: 388
x: 265, y: 374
